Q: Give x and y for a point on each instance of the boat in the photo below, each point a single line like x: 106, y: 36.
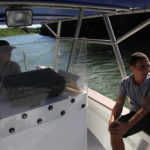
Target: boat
x: 77, y: 117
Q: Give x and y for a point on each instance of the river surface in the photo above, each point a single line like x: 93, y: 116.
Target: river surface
x: 101, y: 67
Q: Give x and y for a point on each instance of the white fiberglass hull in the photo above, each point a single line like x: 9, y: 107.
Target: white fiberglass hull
x: 62, y: 128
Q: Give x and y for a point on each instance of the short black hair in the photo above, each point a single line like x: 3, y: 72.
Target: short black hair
x: 136, y: 57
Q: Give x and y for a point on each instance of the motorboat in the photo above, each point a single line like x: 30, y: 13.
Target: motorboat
x: 41, y: 112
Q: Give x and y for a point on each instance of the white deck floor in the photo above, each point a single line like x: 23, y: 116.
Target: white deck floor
x: 93, y: 143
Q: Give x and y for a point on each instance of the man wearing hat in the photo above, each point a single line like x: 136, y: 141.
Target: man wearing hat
x: 7, y: 67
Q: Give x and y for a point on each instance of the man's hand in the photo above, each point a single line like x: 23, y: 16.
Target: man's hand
x: 118, y: 128
x: 114, y: 126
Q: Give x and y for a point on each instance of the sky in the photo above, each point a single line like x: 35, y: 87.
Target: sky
x: 33, y: 26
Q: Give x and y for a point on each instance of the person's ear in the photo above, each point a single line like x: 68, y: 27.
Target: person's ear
x: 9, y: 55
x: 132, y: 68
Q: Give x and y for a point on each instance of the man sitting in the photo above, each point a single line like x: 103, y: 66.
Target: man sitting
x: 7, y: 67
x: 137, y: 88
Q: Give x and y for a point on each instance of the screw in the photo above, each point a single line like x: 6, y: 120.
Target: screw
x: 83, y: 105
x: 72, y: 100
x: 50, y: 107
x: 63, y: 113
x: 24, y: 116
x: 12, y: 130
x: 39, y: 121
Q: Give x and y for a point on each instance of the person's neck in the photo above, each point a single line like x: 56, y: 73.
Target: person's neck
x: 138, y: 81
x: 3, y: 63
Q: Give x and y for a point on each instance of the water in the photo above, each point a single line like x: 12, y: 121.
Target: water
x: 102, y: 70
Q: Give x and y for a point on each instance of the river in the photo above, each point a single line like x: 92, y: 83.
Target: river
x: 102, y: 71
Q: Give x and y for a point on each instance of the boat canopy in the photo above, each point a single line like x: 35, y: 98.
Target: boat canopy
x: 48, y: 11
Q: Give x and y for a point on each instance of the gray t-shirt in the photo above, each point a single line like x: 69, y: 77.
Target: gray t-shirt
x: 9, y: 69
x: 134, y: 92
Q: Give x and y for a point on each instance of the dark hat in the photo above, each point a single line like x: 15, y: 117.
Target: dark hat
x: 5, y: 47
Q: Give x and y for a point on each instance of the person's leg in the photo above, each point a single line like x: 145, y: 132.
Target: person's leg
x: 117, y: 143
x: 144, y: 124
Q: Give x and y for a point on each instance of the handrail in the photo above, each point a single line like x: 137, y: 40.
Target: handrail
x: 134, y: 30
x: 53, y: 33
x: 57, y: 44
x: 114, y: 45
x: 25, y: 62
x: 103, y: 100
x: 78, y: 26
x: 98, y: 41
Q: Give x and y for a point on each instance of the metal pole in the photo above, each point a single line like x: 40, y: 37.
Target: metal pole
x: 25, y: 62
x: 75, y: 39
x: 54, y: 34
x: 57, y: 43
x: 98, y: 41
x: 134, y: 30
x: 115, y: 46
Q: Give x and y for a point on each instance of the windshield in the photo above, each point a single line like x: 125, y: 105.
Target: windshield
x: 38, y: 82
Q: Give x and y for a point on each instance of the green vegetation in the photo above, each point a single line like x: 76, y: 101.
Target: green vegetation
x: 18, y: 31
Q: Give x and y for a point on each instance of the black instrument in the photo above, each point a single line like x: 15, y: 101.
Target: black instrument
x: 34, y: 82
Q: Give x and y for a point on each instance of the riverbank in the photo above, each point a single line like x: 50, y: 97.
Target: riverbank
x: 18, y: 31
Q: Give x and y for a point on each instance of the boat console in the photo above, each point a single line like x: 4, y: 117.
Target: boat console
x: 36, y: 106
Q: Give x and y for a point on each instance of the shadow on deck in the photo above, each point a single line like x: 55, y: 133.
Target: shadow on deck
x: 93, y: 143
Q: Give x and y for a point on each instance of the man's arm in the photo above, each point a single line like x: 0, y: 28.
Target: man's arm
x: 141, y: 113
x: 116, y: 112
